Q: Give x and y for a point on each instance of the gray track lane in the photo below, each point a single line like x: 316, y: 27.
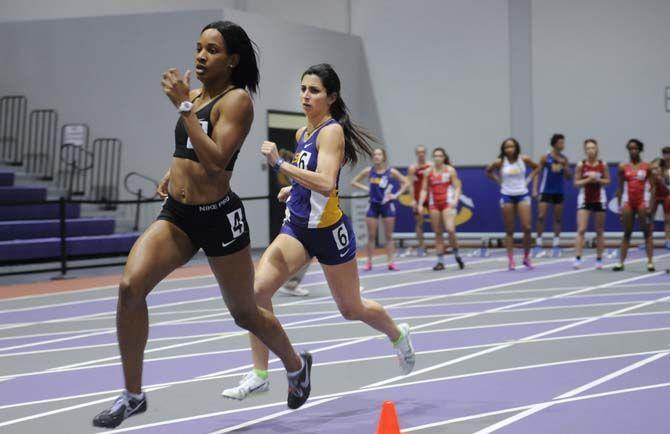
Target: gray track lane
x: 203, y: 396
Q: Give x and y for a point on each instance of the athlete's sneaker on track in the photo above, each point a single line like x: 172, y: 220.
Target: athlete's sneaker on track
x: 295, y: 292
x: 250, y: 384
x: 124, y: 407
x: 300, y: 386
x: 527, y: 263
x: 460, y: 262
x: 405, y: 350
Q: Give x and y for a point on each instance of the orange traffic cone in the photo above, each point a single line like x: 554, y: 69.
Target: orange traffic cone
x: 388, y: 420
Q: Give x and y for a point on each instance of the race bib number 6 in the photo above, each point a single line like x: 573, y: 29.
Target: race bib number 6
x: 341, y: 236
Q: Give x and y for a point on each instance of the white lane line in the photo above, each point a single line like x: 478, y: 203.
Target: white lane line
x: 554, y: 275
x: 271, y: 416
x: 336, y: 315
x: 525, y: 407
x: 294, y: 323
x: 611, y: 376
x: 318, y: 399
x: 657, y: 284
x: 536, y: 408
x: 539, y: 407
x: 502, y: 308
x: 208, y: 275
x: 297, y: 302
x: 463, y: 419
x: 278, y: 307
x: 108, y: 298
x: 429, y: 298
x: 49, y: 413
x: 346, y: 361
x: 340, y: 342
x: 377, y: 289
x: 347, y: 323
x: 161, y: 291
x: 200, y: 317
x: 203, y: 335
x: 222, y: 310
x: 95, y: 288
x: 533, y: 336
x: 273, y: 360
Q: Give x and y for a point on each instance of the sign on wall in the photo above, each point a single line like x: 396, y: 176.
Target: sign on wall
x: 74, y: 134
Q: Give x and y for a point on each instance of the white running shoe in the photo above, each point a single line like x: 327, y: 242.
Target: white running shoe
x: 296, y: 292
x: 405, y: 350
x: 577, y: 264
x: 250, y: 384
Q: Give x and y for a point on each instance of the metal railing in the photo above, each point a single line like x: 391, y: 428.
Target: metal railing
x: 65, y: 258
x: 13, y: 110
x: 41, y: 152
x: 106, y: 171
x: 138, y: 193
x: 75, y: 161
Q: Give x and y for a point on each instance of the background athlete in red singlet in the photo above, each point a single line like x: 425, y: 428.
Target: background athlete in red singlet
x: 634, y: 193
x: 443, y: 188
x: 661, y: 178
x: 591, y: 177
x: 416, y: 173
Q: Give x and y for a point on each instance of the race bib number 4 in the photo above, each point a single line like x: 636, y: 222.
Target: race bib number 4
x: 236, y: 222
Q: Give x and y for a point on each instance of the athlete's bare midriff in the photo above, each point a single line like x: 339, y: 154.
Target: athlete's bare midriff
x: 190, y: 184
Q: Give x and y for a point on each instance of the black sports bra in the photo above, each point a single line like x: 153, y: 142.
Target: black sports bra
x: 183, y: 146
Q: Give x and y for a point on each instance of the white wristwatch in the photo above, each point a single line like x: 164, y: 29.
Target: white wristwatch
x: 185, y: 107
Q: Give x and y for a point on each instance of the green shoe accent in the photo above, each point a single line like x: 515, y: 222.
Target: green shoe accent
x: 263, y: 375
x: 397, y: 341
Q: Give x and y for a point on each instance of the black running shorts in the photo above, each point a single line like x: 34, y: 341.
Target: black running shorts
x: 219, y: 228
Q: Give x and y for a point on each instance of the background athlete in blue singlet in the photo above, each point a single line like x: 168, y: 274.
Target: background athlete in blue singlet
x: 382, y: 202
x: 555, y: 171
x: 315, y: 226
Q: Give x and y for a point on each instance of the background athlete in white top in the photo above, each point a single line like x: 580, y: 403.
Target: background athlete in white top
x: 509, y: 171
